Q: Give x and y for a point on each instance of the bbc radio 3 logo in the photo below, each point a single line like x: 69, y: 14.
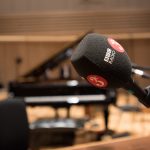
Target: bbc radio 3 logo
x: 109, y: 56
x: 97, y: 81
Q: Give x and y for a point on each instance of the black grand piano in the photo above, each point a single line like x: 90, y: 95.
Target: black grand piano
x: 35, y: 83
x: 35, y: 88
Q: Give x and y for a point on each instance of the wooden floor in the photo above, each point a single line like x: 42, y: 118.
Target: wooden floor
x: 132, y: 143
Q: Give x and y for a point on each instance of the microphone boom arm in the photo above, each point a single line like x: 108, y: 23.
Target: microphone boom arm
x: 142, y: 95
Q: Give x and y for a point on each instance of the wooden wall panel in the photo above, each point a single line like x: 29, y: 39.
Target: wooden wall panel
x: 75, y: 23
x: 107, y: 5
x: 142, y: 49
x: 32, y: 54
x: 7, y: 64
x: 25, y: 6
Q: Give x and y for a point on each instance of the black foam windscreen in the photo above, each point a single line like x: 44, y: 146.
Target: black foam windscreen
x: 14, y: 128
x: 102, y: 61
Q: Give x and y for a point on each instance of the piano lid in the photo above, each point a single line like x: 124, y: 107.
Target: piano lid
x: 54, y: 61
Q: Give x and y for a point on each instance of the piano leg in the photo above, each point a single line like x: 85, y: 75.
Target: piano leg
x: 68, y: 112
x: 106, y: 116
x: 106, y: 120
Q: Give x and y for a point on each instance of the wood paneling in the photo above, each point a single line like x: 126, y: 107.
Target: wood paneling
x: 41, y: 38
x: 25, y: 6
x: 31, y: 54
x: 130, y: 143
x: 75, y: 23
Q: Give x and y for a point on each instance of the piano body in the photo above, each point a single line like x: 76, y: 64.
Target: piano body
x: 36, y: 89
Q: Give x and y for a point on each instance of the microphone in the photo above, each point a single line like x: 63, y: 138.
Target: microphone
x: 104, y: 63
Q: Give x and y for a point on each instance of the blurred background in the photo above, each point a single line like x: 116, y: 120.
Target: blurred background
x: 37, y: 38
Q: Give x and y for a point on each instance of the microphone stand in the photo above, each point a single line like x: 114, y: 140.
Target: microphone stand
x: 142, y: 95
x: 135, y: 66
